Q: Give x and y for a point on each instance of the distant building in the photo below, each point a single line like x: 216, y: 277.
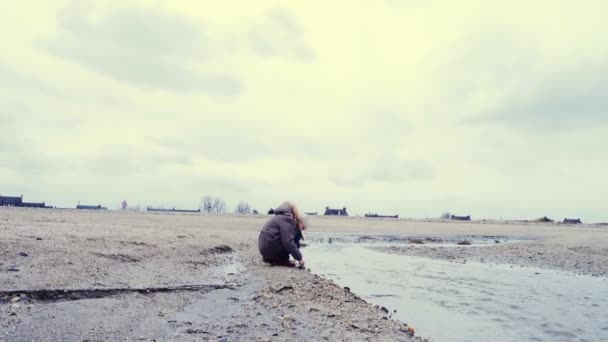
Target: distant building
x: 14, y: 201
x: 335, y: 212
x: 572, y: 221
x: 90, y: 207
x: 34, y: 205
x: 173, y: 210
x: 461, y: 218
x: 370, y: 215
x: 11, y: 201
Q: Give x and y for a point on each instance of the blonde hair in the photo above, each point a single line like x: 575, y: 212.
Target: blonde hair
x: 300, y: 222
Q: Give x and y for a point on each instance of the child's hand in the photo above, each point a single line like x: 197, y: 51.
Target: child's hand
x: 301, y: 263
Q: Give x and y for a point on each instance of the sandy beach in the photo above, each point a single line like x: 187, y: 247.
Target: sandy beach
x: 98, y: 276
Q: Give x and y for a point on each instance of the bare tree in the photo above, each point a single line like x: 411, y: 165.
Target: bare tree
x: 211, y: 204
x: 207, y: 204
x: 218, y: 206
x: 243, y: 208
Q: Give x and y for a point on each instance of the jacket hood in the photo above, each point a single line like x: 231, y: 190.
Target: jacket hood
x: 283, y: 209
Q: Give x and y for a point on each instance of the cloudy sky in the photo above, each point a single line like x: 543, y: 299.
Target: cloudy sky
x: 413, y: 107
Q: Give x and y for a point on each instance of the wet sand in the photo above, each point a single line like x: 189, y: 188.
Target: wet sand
x: 99, y: 276
x: 165, y: 276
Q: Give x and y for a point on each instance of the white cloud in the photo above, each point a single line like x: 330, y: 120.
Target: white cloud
x: 409, y: 107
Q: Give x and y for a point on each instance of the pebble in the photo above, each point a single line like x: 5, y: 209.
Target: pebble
x: 15, y: 299
x: 23, y: 254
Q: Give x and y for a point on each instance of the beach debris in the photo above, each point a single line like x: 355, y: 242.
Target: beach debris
x: 287, y: 318
x: 220, y: 249
x: 416, y: 241
x: 223, y: 249
x: 15, y: 299
x: 23, y: 254
x: 13, y: 269
x: 196, y: 331
x: 284, y: 288
x: 464, y: 242
x: 408, y: 330
x: 39, y: 239
x: 62, y: 295
x: 117, y: 257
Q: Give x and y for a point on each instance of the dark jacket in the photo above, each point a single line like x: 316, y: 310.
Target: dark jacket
x: 276, y: 239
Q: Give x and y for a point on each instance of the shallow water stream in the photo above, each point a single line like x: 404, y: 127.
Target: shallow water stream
x: 473, y: 301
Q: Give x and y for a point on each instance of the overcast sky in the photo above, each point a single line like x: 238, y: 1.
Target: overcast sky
x: 488, y: 108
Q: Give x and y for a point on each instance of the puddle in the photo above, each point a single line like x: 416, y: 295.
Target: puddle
x: 470, y: 302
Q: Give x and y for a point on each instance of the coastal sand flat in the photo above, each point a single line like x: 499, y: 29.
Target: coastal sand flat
x: 126, y: 277
x: 139, y: 254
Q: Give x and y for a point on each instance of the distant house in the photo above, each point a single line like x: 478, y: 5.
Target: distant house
x: 461, y: 218
x: 572, y: 221
x: 90, y: 207
x: 335, y: 212
x: 34, y: 205
x: 174, y: 210
x: 11, y: 201
x: 14, y: 201
x: 370, y: 215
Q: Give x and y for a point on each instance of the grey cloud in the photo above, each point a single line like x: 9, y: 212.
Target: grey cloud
x: 280, y: 34
x: 529, y: 95
x: 559, y: 105
x: 398, y: 170
x: 387, y: 169
x: 124, y: 160
x: 218, y: 144
x: 143, y: 47
x: 12, y: 79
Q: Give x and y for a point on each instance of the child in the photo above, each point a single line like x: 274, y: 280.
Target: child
x: 280, y: 237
